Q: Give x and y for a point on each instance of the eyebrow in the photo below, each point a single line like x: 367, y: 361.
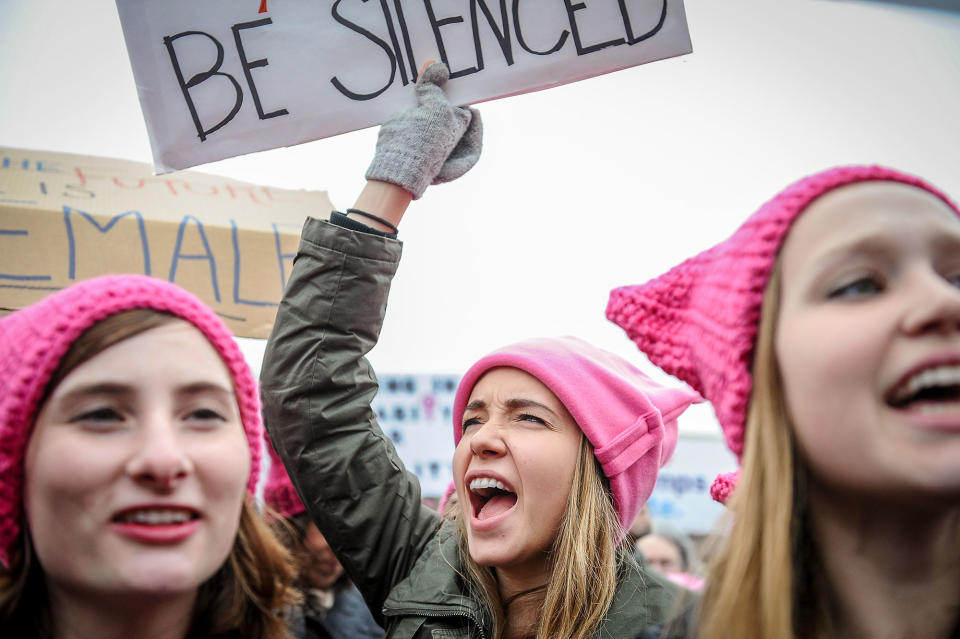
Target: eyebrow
x: 115, y: 389
x: 198, y: 388
x: 513, y: 404
x: 879, y: 246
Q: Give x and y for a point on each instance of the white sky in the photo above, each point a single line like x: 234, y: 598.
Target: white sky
x: 581, y: 188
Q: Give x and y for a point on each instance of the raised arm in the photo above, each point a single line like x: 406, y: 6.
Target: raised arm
x: 316, y: 382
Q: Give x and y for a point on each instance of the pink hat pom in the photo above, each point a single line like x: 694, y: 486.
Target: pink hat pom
x: 34, y: 339
x: 722, y: 487
x: 699, y: 321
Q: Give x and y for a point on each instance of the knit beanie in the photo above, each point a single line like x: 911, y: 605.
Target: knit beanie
x: 630, y: 420
x: 699, y: 321
x: 34, y: 339
x: 278, y: 491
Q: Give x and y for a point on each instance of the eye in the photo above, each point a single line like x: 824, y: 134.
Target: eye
x: 206, y: 417
x: 102, y: 414
x: 527, y: 417
x: 954, y: 280
x: 860, y: 287
x: 467, y: 423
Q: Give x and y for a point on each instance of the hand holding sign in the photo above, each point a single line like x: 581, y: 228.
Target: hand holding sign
x: 430, y: 143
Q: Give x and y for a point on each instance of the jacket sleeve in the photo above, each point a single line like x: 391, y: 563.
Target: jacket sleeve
x: 317, y: 387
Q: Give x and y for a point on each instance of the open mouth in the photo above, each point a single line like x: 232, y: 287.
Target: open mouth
x: 490, y: 497
x: 156, y: 516
x: 935, y: 389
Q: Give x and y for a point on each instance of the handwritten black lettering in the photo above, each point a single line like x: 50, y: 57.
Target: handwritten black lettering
x: 522, y: 42
x: 372, y: 38
x: 248, y: 65
x: 502, y: 33
x: 631, y: 39
x: 185, y: 86
x: 582, y: 50
x: 435, y: 24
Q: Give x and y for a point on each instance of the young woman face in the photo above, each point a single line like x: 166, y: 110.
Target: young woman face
x: 321, y: 568
x: 661, y: 554
x: 137, y: 468
x: 868, y: 343
x: 513, y: 470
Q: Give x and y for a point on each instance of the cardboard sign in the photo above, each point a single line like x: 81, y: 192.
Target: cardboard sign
x: 221, y: 78
x: 65, y: 217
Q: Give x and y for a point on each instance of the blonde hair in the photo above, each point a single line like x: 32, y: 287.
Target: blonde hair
x: 585, y: 559
x: 760, y: 583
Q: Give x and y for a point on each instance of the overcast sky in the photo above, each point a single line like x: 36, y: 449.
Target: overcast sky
x: 580, y: 188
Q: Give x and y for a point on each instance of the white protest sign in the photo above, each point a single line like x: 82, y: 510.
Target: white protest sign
x: 219, y: 78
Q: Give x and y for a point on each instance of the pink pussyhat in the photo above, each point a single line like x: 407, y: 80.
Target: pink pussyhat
x: 699, y: 320
x: 34, y: 339
x: 630, y: 420
x: 278, y: 491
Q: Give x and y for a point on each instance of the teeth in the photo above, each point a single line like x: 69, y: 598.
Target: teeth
x: 486, y: 482
x: 157, y: 517
x: 937, y: 408
x: 928, y: 378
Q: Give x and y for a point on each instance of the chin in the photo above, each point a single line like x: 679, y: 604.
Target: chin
x: 168, y: 579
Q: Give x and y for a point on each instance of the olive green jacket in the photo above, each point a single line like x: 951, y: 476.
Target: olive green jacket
x: 317, y: 387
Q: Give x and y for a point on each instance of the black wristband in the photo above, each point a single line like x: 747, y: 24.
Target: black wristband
x: 340, y: 219
x: 375, y: 219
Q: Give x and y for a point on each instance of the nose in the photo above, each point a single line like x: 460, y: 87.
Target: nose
x: 161, y: 460
x: 935, y: 306
x: 487, y: 440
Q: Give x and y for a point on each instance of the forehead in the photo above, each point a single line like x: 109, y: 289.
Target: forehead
x: 505, y: 382
x: 176, y: 351
x: 851, y: 213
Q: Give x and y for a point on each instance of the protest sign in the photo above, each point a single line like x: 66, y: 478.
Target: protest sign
x: 67, y: 217
x: 221, y: 78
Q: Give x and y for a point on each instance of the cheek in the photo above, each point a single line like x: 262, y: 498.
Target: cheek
x: 461, y: 458
x: 828, y: 366
x: 66, y: 503
x: 224, y: 467
x: 549, y: 469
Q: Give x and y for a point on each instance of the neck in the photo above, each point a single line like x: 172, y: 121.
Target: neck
x: 893, y: 569
x: 522, y: 594
x: 80, y: 615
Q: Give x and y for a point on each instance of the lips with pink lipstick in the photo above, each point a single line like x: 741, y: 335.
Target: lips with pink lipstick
x: 490, y: 497
x: 157, y: 524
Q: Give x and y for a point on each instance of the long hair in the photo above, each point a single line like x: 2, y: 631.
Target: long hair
x: 584, y: 560
x: 240, y: 600
x: 763, y: 582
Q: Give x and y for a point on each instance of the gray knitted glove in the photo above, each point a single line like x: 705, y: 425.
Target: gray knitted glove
x: 430, y: 143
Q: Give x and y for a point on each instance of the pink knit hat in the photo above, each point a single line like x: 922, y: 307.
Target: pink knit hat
x: 278, y: 491
x: 34, y: 339
x: 699, y: 320
x: 630, y: 420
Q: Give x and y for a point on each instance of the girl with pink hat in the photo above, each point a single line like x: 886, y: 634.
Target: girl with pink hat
x: 826, y: 333
x: 558, y: 443
x: 130, y: 442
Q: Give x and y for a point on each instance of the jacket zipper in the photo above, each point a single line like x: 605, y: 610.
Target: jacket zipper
x: 395, y: 612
